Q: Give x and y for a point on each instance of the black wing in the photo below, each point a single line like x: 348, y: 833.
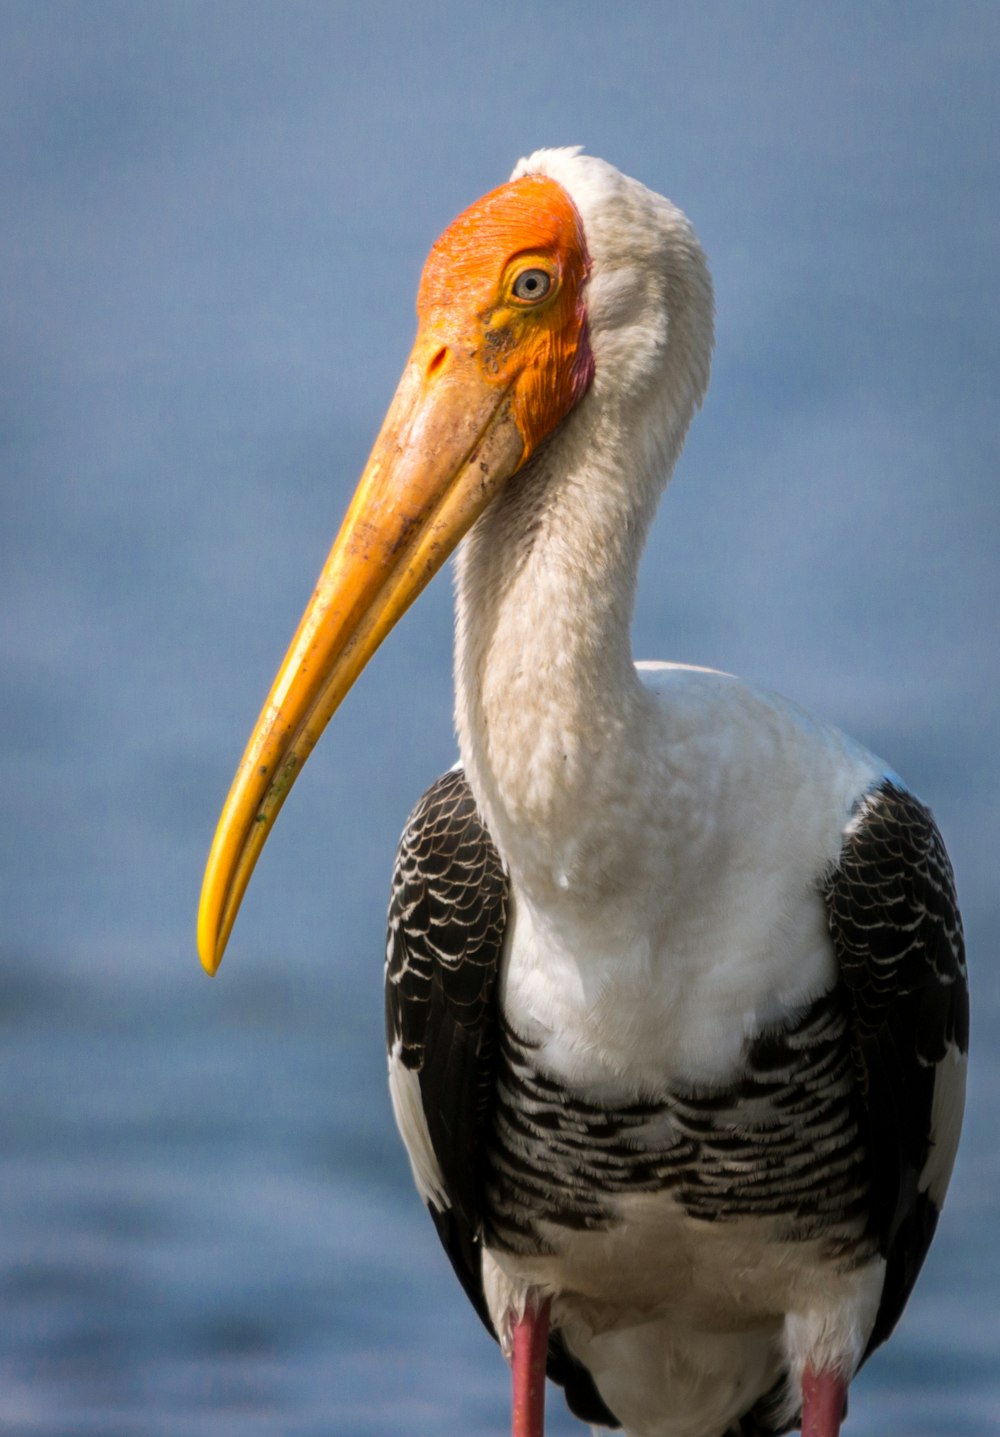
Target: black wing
x: 897, y: 932
x: 447, y: 915
x: 447, y: 918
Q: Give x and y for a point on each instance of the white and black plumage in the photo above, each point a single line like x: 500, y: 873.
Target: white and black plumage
x: 675, y: 990
x: 827, y: 1132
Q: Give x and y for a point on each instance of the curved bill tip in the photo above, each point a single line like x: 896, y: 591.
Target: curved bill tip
x: 210, y: 950
x: 250, y: 809
x: 212, y: 936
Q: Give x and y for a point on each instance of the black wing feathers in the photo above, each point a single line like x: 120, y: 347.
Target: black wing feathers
x: 447, y: 915
x: 897, y: 932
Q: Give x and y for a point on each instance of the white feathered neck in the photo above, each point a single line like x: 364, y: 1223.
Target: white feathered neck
x: 548, y: 707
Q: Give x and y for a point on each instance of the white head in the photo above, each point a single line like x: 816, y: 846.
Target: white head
x: 648, y: 296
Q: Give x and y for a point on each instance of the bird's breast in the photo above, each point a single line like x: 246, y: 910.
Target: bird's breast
x: 680, y: 911
x: 643, y: 993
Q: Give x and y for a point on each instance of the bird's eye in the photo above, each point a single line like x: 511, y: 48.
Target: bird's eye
x: 532, y: 285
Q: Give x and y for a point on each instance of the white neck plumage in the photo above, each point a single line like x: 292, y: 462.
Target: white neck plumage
x: 549, y: 710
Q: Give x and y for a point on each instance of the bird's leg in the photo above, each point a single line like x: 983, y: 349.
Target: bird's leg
x: 531, y: 1345
x: 824, y: 1394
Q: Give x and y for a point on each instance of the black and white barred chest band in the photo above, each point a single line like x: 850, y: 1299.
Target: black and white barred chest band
x: 784, y: 1143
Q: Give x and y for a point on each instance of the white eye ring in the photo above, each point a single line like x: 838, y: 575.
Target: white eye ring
x: 532, y: 285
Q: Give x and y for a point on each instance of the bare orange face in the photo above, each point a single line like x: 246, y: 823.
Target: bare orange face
x: 501, y: 356
x: 508, y: 276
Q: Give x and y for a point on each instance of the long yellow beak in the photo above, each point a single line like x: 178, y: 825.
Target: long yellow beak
x: 448, y: 443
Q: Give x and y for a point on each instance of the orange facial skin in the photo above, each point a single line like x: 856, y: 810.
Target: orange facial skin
x: 540, y: 349
x: 501, y: 356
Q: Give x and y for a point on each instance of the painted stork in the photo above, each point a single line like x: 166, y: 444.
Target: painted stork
x: 675, y: 991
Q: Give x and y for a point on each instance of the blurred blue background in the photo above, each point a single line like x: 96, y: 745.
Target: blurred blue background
x: 212, y: 221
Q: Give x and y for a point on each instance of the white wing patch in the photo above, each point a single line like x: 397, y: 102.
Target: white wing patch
x: 407, y: 1106
x: 946, y: 1124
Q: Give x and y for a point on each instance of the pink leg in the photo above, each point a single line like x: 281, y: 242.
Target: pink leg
x: 823, y: 1397
x: 531, y: 1342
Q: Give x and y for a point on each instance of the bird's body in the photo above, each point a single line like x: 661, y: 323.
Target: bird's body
x: 674, y: 1145
x: 675, y: 988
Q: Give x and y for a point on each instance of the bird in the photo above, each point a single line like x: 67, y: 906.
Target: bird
x: 676, y: 998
